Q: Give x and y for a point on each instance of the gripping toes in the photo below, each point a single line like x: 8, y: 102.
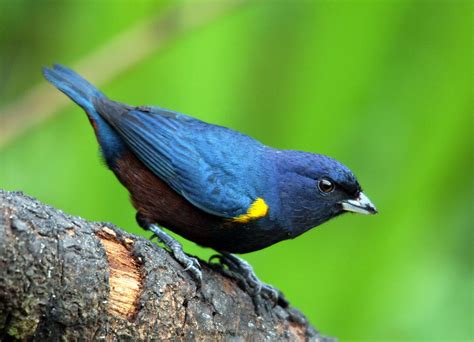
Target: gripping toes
x: 241, y: 270
x: 190, y: 264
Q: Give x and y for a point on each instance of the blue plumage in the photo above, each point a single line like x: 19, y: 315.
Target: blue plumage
x: 218, y: 170
x: 84, y: 94
x: 208, y: 183
x: 189, y: 155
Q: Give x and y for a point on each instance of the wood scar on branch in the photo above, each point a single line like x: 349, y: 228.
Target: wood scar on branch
x: 62, y: 277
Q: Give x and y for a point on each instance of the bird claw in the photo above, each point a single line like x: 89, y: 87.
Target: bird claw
x: 194, y: 267
x: 190, y: 264
x: 275, y: 295
x: 243, y: 273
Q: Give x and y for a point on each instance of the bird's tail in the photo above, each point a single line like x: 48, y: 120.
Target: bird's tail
x: 74, y: 86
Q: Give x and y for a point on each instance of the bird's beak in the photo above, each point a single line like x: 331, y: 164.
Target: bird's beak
x: 361, y: 205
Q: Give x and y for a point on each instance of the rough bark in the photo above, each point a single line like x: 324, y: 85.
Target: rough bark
x: 64, y: 278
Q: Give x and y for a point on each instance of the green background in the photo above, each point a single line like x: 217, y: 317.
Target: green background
x: 383, y: 86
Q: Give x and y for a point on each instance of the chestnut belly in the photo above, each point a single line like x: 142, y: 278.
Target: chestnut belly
x: 157, y: 202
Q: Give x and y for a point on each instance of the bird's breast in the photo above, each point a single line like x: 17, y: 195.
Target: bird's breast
x: 158, y: 203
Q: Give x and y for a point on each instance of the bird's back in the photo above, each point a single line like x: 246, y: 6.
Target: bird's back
x: 217, y: 169
x: 210, y: 184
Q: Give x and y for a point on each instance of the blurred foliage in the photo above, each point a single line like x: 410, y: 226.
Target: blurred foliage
x: 383, y: 86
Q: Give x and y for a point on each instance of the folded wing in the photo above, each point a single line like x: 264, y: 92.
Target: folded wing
x: 213, y: 167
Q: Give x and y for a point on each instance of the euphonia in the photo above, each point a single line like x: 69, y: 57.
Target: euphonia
x: 211, y: 184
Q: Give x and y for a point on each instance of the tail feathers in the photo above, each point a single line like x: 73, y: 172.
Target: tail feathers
x: 73, y: 85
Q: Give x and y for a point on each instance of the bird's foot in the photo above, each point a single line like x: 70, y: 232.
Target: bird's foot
x: 189, y: 263
x: 241, y: 271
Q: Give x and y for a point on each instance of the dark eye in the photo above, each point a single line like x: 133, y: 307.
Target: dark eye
x: 326, y: 186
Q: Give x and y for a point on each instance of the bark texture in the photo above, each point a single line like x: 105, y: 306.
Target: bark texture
x: 64, y: 278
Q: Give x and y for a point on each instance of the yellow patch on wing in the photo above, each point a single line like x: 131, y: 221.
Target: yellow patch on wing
x: 258, y: 209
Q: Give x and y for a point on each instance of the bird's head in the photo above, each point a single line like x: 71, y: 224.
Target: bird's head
x: 315, y: 188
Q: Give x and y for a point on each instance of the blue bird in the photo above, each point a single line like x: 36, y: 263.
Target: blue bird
x: 210, y: 184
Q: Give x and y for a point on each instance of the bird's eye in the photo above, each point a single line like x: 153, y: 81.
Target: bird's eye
x: 326, y: 186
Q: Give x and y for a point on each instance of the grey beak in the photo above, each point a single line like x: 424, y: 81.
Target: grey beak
x: 361, y: 205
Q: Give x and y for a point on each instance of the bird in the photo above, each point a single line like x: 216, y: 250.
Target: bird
x: 210, y: 184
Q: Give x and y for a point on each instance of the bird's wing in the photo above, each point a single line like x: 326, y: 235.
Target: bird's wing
x: 213, y: 167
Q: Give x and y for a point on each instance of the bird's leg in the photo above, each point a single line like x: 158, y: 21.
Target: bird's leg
x: 241, y: 270
x: 189, y: 263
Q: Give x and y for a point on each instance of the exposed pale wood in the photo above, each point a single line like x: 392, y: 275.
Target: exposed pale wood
x: 125, y: 277
x: 64, y: 278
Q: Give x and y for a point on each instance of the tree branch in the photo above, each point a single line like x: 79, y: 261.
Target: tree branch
x: 62, y: 277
